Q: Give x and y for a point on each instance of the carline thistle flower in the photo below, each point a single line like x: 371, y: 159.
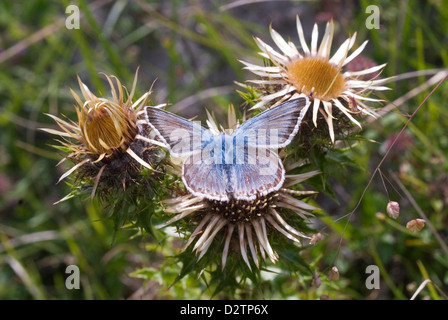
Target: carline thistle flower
x: 108, y: 142
x: 313, y: 73
x: 243, y: 227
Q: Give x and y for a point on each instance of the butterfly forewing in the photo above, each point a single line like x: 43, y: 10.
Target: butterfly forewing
x: 275, y: 127
x: 181, y: 136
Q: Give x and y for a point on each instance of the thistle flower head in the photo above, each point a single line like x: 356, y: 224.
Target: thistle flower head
x: 107, y: 126
x: 108, y: 141
x: 313, y: 72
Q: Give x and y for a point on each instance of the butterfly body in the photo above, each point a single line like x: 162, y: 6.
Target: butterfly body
x: 243, y: 165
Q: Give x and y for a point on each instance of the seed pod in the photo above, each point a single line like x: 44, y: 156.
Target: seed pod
x: 316, y: 281
x: 333, y: 275
x: 393, y: 209
x: 415, y: 225
x: 315, y: 238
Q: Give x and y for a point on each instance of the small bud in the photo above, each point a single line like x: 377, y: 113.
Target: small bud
x: 393, y: 209
x: 411, y: 287
x: 415, y: 225
x: 316, y: 281
x: 315, y: 238
x: 380, y: 216
x: 333, y: 275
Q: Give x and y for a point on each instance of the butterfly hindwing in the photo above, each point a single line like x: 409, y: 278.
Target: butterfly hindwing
x: 208, y: 174
x: 204, y: 179
x: 221, y: 172
x: 257, y: 172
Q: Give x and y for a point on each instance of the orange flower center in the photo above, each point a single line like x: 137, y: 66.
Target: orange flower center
x: 316, y: 75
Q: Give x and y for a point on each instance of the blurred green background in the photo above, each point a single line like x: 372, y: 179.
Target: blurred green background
x: 189, y: 51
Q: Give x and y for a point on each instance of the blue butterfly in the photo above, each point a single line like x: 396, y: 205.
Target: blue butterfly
x: 243, y: 165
